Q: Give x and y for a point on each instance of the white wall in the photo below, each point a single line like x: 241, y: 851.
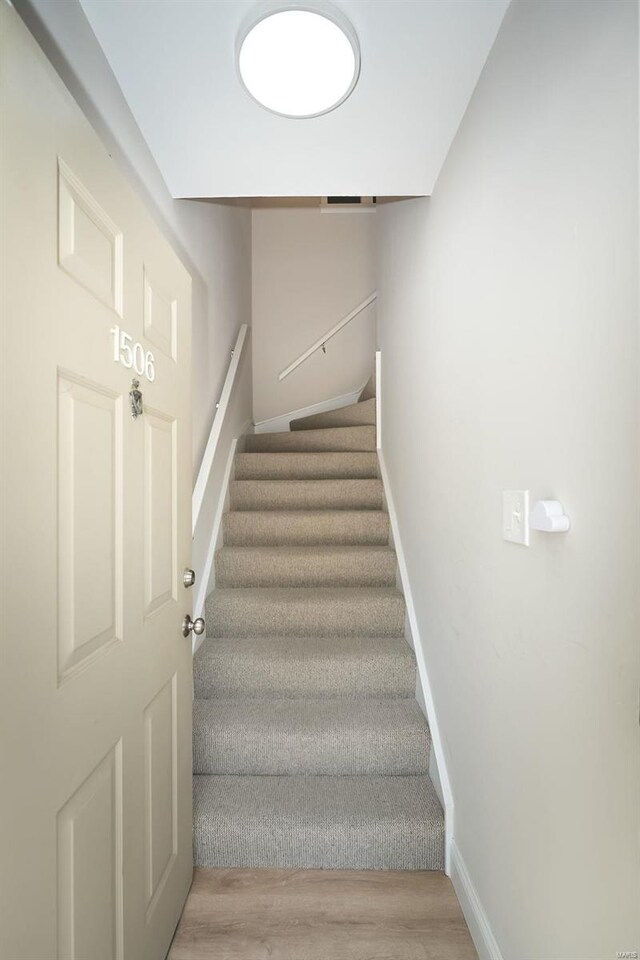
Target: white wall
x: 509, y: 334
x: 309, y: 270
x: 214, y: 241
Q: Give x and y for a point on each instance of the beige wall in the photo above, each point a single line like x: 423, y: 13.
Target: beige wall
x: 509, y: 335
x: 309, y: 270
x: 224, y: 286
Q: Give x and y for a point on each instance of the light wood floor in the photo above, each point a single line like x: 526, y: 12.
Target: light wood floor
x: 321, y: 915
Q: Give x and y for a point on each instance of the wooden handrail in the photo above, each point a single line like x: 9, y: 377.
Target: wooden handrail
x: 330, y: 333
x: 200, y: 487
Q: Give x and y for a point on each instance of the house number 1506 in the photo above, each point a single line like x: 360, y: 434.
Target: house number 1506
x: 131, y: 354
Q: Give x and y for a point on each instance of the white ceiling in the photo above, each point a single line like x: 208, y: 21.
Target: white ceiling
x: 175, y: 63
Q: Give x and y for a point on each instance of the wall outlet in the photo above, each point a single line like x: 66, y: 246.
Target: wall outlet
x: 515, y: 516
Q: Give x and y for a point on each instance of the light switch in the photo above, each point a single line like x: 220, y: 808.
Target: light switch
x: 515, y: 516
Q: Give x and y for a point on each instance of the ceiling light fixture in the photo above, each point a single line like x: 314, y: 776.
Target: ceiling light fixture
x: 298, y: 62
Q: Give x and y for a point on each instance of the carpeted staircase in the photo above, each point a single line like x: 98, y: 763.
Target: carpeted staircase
x: 310, y: 749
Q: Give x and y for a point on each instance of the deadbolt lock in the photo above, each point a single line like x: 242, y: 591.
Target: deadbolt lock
x: 189, y: 577
x: 192, y: 626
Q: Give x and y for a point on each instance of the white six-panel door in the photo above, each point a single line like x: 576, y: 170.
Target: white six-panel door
x: 95, y: 675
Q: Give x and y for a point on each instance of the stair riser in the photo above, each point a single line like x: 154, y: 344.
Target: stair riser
x: 301, y: 825
x: 247, y: 568
x: 273, y: 752
x: 345, y: 438
x: 244, y: 528
x: 306, y: 495
x: 305, y: 466
x: 251, y: 617
x: 258, y: 674
x: 361, y: 847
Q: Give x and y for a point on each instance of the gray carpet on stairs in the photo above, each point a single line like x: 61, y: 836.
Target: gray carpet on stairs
x: 306, y: 611
x: 351, y: 439
x: 326, y: 565
x: 329, y: 823
x: 310, y: 750
x: 312, y: 527
x: 306, y: 494
x: 301, y: 465
x: 308, y: 737
x: 358, y: 414
x: 304, y: 667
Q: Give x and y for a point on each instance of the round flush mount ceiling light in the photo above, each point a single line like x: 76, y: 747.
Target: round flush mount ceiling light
x: 299, y: 63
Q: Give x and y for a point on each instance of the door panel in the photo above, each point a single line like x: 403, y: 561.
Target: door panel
x: 161, y: 791
x: 90, y: 894
x: 89, y: 242
x: 90, y: 515
x: 95, y: 686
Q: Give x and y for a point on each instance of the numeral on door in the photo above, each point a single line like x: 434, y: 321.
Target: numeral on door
x: 131, y: 354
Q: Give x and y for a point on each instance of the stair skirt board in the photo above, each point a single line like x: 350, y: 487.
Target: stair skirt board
x: 281, y: 422
x: 310, y: 750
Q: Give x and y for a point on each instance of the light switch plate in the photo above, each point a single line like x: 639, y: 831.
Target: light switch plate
x: 515, y: 516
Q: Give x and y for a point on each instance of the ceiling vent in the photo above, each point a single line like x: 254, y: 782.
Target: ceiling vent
x: 347, y: 203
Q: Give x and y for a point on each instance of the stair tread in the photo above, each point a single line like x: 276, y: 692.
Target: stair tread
x: 324, y: 822
x: 311, y: 736
x: 309, y: 483
x: 316, y: 513
x: 311, y: 714
x: 306, y: 551
x: 319, y: 594
x: 341, y: 644
x: 294, y: 593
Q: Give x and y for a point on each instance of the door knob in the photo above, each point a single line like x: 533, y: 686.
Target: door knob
x: 189, y: 577
x: 189, y: 625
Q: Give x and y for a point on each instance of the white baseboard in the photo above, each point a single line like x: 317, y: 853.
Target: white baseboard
x: 474, y: 914
x: 436, y: 738
x: 281, y: 423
